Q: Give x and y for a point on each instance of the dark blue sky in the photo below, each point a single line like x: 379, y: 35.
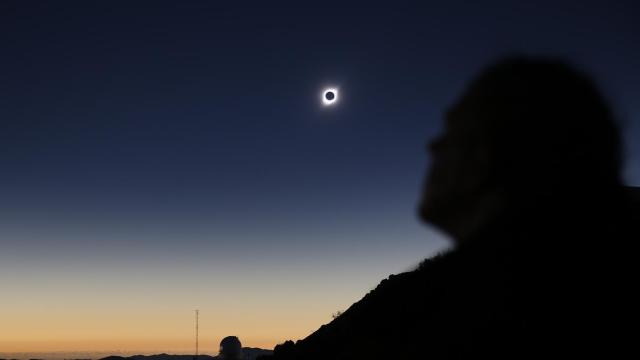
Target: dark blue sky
x: 176, y: 129
x: 211, y: 107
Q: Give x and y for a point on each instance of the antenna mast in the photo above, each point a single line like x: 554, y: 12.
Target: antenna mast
x: 197, y: 315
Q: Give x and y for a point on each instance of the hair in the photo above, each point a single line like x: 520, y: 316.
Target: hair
x: 548, y: 126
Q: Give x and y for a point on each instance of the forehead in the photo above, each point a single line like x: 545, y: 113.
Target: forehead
x: 466, y: 119
x: 474, y: 107
x: 459, y: 114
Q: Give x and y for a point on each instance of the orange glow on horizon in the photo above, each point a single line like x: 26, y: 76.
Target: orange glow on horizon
x: 131, y: 346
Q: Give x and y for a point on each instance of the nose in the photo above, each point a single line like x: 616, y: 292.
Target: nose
x: 435, y: 144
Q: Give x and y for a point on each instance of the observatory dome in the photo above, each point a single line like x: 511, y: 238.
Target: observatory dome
x: 231, y: 348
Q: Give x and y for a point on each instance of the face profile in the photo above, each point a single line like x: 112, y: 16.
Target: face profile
x: 525, y: 134
x: 458, y: 175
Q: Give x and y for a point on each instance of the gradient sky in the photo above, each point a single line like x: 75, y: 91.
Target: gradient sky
x: 158, y: 157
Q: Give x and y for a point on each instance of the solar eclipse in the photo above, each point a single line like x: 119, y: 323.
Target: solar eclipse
x: 329, y: 96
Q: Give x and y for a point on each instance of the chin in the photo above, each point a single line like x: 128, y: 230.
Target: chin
x: 435, y: 211
x: 426, y: 209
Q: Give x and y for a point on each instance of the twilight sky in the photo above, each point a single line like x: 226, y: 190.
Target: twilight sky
x: 162, y: 156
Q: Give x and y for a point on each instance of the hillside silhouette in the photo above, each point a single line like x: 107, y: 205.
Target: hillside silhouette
x: 395, y: 317
x: 526, y: 180
x: 248, y: 353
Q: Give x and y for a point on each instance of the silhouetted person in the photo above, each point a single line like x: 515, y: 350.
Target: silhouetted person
x: 526, y: 181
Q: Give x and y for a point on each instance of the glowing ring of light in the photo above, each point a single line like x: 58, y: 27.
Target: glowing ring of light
x: 327, y: 102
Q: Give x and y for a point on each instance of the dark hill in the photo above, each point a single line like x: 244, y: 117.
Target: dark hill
x: 248, y: 352
x: 497, y: 299
x: 160, y: 357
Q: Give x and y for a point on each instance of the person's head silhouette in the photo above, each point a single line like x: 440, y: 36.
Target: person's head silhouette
x: 528, y: 134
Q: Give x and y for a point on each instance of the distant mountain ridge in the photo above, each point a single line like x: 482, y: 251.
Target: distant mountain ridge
x: 249, y: 353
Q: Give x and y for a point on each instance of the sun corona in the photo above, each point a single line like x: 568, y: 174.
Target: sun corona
x: 329, y: 96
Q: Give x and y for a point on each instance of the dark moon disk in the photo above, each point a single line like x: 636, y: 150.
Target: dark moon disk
x: 330, y: 95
